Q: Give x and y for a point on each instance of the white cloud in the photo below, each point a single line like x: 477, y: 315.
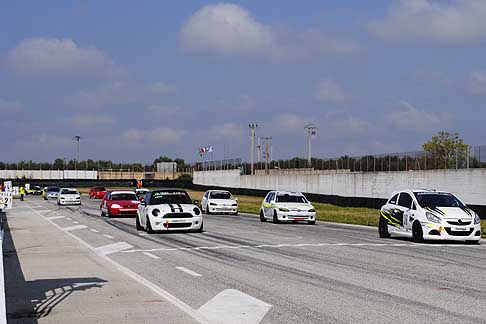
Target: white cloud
x: 9, y: 106
x: 449, y: 22
x: 478, y: 84
x: 407, y: 117
x: 59, y: 57
x: 86, y: 121
x: 165, y: 111
x: 328, y: 91
x: 229, y: 29
x: 161, y: 89
x: 289, y: 124
x: 157, y: 136
x: 227, y: 131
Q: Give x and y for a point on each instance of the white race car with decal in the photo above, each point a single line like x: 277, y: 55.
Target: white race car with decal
x: 168, y: 210
x: 429, y: 215
x: 285, y: 206
x: 219, y: 201
x: 68, y: 196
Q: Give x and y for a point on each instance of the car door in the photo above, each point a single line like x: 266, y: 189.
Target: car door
x: 267, y: 206
x: 403, y: 207
x: 143, y: 208
x: 204, y: 201
x: 409, y: 216
x: 104, y: 202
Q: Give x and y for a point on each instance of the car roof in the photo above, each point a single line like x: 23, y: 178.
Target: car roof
x: 68, y: 188
x: 121, y: 191
x: 168, y: 189
x: 290, y: 193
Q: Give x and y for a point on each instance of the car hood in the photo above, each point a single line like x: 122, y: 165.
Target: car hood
x: 453, y: 213
x: 222, y: 201
x: 126, y: 203
x: 295, y: 206
x: 174, y: 208
x: 69, y: 196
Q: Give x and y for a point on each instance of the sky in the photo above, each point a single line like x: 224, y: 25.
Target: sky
x: 140, y: 79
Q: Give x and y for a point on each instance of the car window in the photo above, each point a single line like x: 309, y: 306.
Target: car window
x: 170, y: 197
x: 286, y: 198
x: 405, y: 200
x: 393, y: 200
x: 124, y: 196
x: 267, y: 198
x: 220, y: 195
x: 69, y: 192
x: 206, y: 194
x: 437, y: 199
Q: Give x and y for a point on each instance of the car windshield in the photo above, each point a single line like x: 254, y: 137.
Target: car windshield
x: 52, y: 189
x: 124, y: 196
x: 220, y: 195
x: 437, y: 199
x: 286, y: 198
x: 69, y: 192
x: 170, y: 197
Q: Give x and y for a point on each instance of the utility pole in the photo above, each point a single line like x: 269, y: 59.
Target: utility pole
x: 259, y: 150
x: 311, y: 131
x: 77, y: 138
x: 252, y: 127
x: 267, y: 141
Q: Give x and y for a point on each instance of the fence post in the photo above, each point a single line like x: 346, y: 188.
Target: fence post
x: 467, y: 161
x: 457, y: 160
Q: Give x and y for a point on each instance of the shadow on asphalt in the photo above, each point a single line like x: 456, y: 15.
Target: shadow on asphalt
x: 26, y: 301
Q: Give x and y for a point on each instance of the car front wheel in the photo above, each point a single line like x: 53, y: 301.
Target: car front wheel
x: 262, y: 217
x: 383, y: 228
x: 138, y: 226
x: 149, y: 227
x: 417, y: 233
x: 275, y: 218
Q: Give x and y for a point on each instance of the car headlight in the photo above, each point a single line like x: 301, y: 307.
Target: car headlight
x: 283, y: 209
x: 196, y: 211
x: 477, y: 220
x: 155, y: 212
x: 115, y: 206
x: 312, y: 210
x: 432, y: 218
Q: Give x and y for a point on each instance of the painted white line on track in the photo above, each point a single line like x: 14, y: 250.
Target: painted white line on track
x: 44, y: 211
x: 113, y: 248
x: 108, y: 236
x: 55, y: 217
x: 69, y: 218
x: 233, y: 306
x: 153, y: 256
x: 138, y: 278
x: 73, y: 228
x: 188, y: 271
x: 75, y: 222
x: 93, y: 230
x: 143, y: 234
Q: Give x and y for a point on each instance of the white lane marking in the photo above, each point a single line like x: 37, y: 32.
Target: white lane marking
x: 73, y: 228
x: 44, y: 211
x: 55, y: 217
x: 108, y: 236
x: 189, y: 271
x: 93, y: 230
x: 113, y: 248
x: 153, y: 256
x: 233, y: 306
x: 68, y: 218
x: 75, y: 222
x: 142, y: 234
x: 138, y: 278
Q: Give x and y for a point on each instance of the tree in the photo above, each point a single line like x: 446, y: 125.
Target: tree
x: 446, y: 147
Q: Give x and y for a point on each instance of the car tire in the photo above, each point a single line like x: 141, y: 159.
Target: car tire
x: 275, y: 218
x: 149, y: 227
x: 58, y: 203
x: 102, y: 213
x: 383, y: 228
x: 417, y: 233
x: 200, y: 229
x: 236, y: 214
x: 262, y: 217
x: 109, y: 213
x: 207, y: 210
x: 311, y: 222
x: 138, y: 226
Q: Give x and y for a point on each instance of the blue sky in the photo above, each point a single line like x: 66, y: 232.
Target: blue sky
x: 141, y: 79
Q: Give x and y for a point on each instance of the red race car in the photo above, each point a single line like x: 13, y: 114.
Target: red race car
x: 97, y: 192
x: 119, y: 203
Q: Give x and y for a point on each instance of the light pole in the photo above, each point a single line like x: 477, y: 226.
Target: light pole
x: 252, y: 127
x: 311, y: 131
x: 77, y: 138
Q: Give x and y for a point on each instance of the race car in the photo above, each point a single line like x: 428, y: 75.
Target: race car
x: 50, y: 192
x: 219, y: 201
x: 68, y: 196
x: 97, y: 192
x: 428, y: 215
x: 34, y: 190
x: 119, y: 203
x: 141, y: 192
x: 168, y: 210
x: 285, y: 206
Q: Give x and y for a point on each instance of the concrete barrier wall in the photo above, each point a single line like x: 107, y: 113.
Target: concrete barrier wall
x: 468, y: 184
x: 48, y: 174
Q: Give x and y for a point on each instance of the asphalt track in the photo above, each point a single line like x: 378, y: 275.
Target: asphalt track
x: 240, y: 270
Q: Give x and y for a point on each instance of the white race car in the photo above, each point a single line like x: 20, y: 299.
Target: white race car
x: 283, y: 206
x: 429, y: 215
x: 68, y: 196
x: 219, y: 201
x: 168, y: 210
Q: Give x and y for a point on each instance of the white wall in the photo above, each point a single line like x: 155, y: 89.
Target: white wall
x: 48, y: 174
x: 468, y: 184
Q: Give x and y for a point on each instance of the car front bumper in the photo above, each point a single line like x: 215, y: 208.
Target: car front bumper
x: 69, y: 202
x: 223, y: 209
x: 176, y: 224
x: 293, y: 216
x: 444, y: 232
x: 123, y: 211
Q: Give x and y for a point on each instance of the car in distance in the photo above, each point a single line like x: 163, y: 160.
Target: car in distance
x: 168, y: 210
x: 119, y: 203
x: 97, y: 192
x: 51, y: 192
x: 68, y: 196
x: 34, y: 190
x: 286, y: 206
x: 141, y: 192
x: 219, y: 201
x: 428, y: 215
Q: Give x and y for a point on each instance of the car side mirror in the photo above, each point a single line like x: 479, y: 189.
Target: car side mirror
x: 196, y: 202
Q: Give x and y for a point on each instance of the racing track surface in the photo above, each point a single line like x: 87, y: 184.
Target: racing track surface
x: 294, y: 273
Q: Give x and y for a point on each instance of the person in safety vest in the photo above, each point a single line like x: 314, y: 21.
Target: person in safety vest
x: 22, y: 193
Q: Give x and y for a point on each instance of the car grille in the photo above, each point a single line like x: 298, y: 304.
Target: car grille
x: 458, y: 233
x: 178, y: 215
x: 177, y: 225
x: 127, y: 212
x: 459, y: 224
